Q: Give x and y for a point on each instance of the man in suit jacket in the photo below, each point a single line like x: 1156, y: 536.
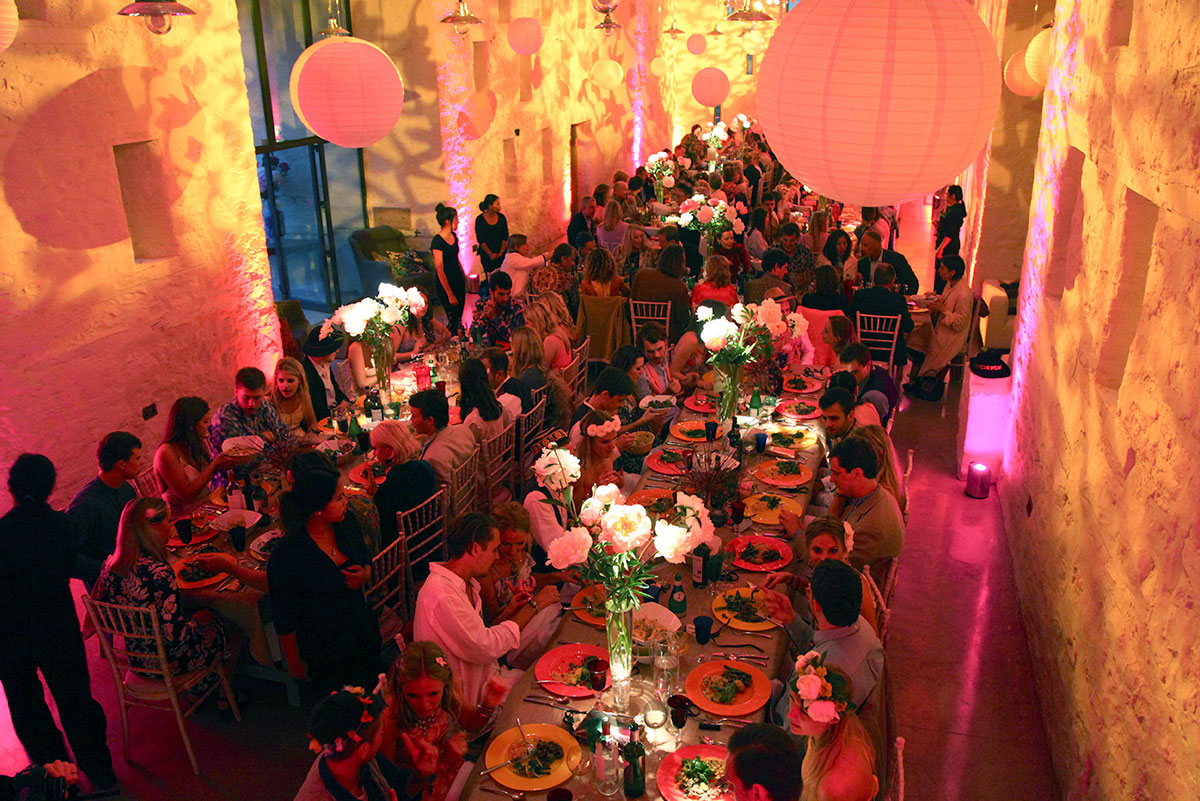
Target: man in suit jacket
x: 582, y: 220
x: 323, y: 388
x: 446, y: 446
x: 874, y: 254
x: 884, y: 300
x: 504, y: 385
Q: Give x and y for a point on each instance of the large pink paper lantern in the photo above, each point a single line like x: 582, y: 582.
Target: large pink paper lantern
x: 347, y: 90
x: 1017, y: 78
x: 1037, y: 56
x: 710, y: 87
x: 525, y: 36
x: 696, y: 44
x: 8, y: 23
x: 877, y: 101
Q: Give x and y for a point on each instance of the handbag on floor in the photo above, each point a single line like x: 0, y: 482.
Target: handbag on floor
x: 931, y: 387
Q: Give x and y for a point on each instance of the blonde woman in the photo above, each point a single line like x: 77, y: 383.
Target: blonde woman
x: 408, y: 480
x: 635, y: 251
x: 597, y: 451
x: 289, y: 393
x: 818, y: 231
x: 891, y: 477
x: 611, y: 230
x: 543, y: 318
x: 525, y: 363
x: 600, y: 276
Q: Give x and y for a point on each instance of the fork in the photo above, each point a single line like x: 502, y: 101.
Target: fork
x: 513, y: 796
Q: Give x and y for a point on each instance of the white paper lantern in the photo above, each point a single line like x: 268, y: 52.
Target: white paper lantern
x: 696, y: 44
x: 1037, y: 56
x: 608, y: 73
x: 8, y: 23
x: 1017, y: 78
x: 877, y: 113
x: 658, y: 66
x: 525, y: 36
x: 347, y: 90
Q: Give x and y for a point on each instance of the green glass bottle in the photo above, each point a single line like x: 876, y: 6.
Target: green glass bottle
x: 634, y: 754
x: 677, y: 603
x: 755, y: 403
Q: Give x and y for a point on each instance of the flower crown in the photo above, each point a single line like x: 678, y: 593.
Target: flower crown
x: 849, y: 536
x: 823, y: 692
x: 610, y: 426
x: 352, y: 737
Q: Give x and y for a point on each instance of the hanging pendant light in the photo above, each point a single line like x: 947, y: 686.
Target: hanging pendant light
x: 608, y: 24
x: 462, y: 19
x: 158, y: 13
x: 674, y: 30
x: 745, y: 13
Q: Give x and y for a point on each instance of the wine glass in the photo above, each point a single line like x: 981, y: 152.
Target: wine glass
x: 183, y: 529
x: 237, y: 538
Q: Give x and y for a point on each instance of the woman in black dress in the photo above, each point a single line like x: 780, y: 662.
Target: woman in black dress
x: 948, y: 228
x: 451, y: 283
x: 491, y: 236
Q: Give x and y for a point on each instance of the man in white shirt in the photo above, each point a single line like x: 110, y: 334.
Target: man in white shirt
x: 450, y: 610
x: 446, y: 446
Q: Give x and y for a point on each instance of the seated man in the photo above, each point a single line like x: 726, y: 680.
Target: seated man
x: 774, y: 277
x: 248, y: 414
x: 801, y: 261
x: 499, y: 314
x: 855, y: 359
x: 350, y: 731
x: 843, y: 636
x: 613, y: 388
x: 837, y: 415
x: 870, y: 509
x: 319, y: 353
x: 763, y: 764
x: 450, y: 611
x: 96, y: 509
x: 513, y: 394
x: 882, y: 299
x: 657, y: 378
x: 446, y: 446
x: 875, y: 255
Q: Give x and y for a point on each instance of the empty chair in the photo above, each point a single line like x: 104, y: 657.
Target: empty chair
x: 650, y: 311
x: 879, y: 333
x: 143, y: 676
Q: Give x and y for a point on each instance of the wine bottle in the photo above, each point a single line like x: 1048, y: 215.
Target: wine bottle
x: 699, y: 565
x: 248, y: 493
x: 634, y: 754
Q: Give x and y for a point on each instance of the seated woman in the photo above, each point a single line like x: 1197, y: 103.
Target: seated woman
x: 818, y: 231
x: 734, y: 253
x: 635, y: 251
x: 557, y: 338
x: 419, y: 333
x: 597, y: 454
x: 717, y: 284
x: 600, y: 277
x: 837, y: 334
x: 183, y: 464
x: 431, y: 716
x: 353, y: 733
x: 515, y: 573
x: 289, y: 394
x: 633, y: 417
x: 526, y: 358
x: 408, y: 482
x: 828, y: 295
x: 316, y: 576
x: 756, y: 237
x: 690, y: 355
x: 611, y: 229
x: 362, y: 365
x: 138, y: 573
x: 359, y: 506
x: 480, y: 408
x: 839, y: 762
x: 936, y: 349
x: 837, y: 253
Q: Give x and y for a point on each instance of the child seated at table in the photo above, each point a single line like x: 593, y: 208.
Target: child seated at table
x: 430, y: 715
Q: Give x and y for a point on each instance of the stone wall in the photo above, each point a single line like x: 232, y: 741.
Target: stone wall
x: 134, y: 264
x: 1101, y: 490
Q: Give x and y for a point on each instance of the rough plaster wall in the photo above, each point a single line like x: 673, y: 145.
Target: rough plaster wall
x: 91, y: 334
x: 469, y: 95
x: 1101, y: 490
x: 727, y: 52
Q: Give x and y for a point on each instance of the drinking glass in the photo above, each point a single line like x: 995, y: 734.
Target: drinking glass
x: 183, y: 529
x: 237, y: 538
x: 598, y: 674
x: 679, y: 715
x: 703, y: 625
x: 664, y: 655
x: 760, y: 442
x: 737, y: 512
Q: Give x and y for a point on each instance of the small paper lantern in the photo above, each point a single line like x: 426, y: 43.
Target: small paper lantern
x: 658, y: 66
x: 877, y: 114
x: 347, y: 90
x: 608, y: 73
x: 1017, y: 78
x: 525, y: 35
x: 8, y: 23
x: 710, y: 87
x: 1037, y: 56
x: 477, y: 115
x: 696, y: 44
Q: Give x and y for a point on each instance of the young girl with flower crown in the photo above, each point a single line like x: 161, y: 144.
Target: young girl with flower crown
x: 597, y: 453
x: 430, y: 715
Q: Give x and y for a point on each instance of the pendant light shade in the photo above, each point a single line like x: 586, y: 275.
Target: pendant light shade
x: 157, y: 13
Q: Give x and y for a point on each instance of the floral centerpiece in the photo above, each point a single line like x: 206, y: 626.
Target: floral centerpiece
x: 748, y: 332
x: 661, y: 165
x: 715, y: 135
x: 612, y: 543
x: 371, y: 322
x: 709, y: 215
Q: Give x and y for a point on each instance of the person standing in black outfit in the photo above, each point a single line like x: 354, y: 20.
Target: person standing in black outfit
x: 949, y: 228
x: 451, y: 283
x: 96, y: 509
x: 491, y: 238
x: 39, y: 629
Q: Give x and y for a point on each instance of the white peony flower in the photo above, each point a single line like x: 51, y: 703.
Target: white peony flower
x: 799, y: 323
x: 388, y: 291
x: 716, y: 333
x: 590, y: 512
x: 571, y: 548
x: 740, y: 313
x: 626, y: 527
x: 556, y: 469
x: 671, y: 541
x: 392, y: 314
x: 686, y: 218
x: 607, y: 494
x: 704, y: 313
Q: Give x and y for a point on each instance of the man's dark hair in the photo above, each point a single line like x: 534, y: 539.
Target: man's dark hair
x: 672, y: 261
x: 31, y: 478
x: 837, y: 588
x: 581, y: 239
x: 956, y: 266
x: 636, y: 183
x: 250, y: 378
x: 789, y: 229
x: 844, y: 379
x: 884, y: 274
x: 116, y: 447
x: 433, y: 405
x: 765, y: 755
x: 473, y: 528
x: 853, y: 453
x: 669, y: 233
x: 614, y: 382
x: 651, y: 333
x: 499, y: 280
x: 496, y: 358
x: 772, y: 258
x: 561, y: 251
x: 855, y: 352
x: 871, y: 233
x: 955, y: 191
x: 837, y: 396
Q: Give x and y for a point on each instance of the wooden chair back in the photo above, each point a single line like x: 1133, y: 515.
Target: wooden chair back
x: 146, y: 485
x: 389, y: 590
x: 879, y: 332
x: 650, y: 311
x: 500, y: 466
x: 464, y: 486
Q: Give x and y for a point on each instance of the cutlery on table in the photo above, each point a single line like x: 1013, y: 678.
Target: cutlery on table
x: 521, y: 729
x: 513, y: 796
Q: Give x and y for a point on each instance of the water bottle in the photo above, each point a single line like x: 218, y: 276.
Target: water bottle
x: 677, y: 603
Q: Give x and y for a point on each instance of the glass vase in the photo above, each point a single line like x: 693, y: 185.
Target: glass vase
x: 728, y: 382
x: 382, y: 356
x: 658, y: 190
x: 619, y: 626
